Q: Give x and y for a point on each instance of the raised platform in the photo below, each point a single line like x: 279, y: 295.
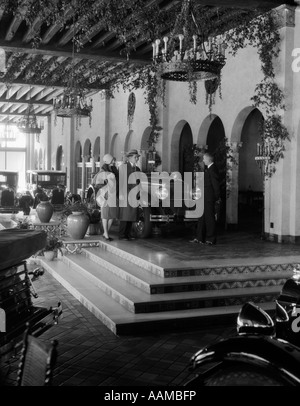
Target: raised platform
x: 163, y: 283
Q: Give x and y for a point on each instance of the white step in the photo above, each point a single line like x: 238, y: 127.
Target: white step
x: 120, y: 320
x: 151, y: 283
x: 137, y: 300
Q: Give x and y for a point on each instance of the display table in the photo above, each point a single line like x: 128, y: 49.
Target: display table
x: 53, y: 227
x: 16, y: 288
x: 16, y: 245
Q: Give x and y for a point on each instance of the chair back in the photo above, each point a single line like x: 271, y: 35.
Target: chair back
x: 37, y: 361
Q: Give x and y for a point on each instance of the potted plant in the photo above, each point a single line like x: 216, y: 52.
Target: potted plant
x: 53, y: 245
x: 81, y: 217
x: 24, y: 224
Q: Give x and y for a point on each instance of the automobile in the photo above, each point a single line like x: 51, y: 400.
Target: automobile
x: 264, y: 351
x: 164, y: 198
x: 8, y: 191
x: 47, y: 185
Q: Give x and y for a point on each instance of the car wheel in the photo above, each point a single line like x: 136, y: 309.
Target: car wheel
x: 143, y: 227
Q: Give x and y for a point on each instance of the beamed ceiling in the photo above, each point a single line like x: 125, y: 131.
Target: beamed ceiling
x: 41, y: 72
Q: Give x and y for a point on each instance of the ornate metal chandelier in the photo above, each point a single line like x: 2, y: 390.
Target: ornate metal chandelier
x: 28, y: 123
x: 186, y: 55
x: 73, y: 101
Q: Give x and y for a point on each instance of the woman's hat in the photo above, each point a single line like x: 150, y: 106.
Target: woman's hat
x: 107, y: 159
x: 132, y: 152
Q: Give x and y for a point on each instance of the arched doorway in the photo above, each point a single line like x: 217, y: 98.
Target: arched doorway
x: 186, y: 150
x: 59, y: 158
x: 216, y: 144
x: 250, y: 181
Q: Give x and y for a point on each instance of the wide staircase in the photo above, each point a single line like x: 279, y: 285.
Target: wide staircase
x: 132, y: 295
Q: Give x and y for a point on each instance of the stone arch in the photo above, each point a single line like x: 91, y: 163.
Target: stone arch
x: 144, y: 148
x: 174, y: 158
x: 77, y: 158
x: 204, y: 129
x: 243, y: 139
x: 128, y: 139
x: 96, y: 150
x: 87, y: 149
x: 59, y: 158
x: 113, y: 147
x: 78, y: 152
x: 239, y: 124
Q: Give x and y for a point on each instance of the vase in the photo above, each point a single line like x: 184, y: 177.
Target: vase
x: 77, y: 225
x: 49, y: 255
x: 44, y: 211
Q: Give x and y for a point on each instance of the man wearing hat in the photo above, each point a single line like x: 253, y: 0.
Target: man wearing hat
x: 127, y: 213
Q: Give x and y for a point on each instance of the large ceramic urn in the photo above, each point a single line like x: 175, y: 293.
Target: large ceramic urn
x: 44, y: 210
x: 77, y: 224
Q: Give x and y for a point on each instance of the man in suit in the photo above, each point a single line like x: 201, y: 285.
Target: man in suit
x: 127, y: 213
x: 206, y: 226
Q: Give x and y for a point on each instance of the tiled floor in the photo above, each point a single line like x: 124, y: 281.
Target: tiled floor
x: 91, y: 355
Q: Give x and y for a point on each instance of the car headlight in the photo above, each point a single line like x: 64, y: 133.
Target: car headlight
x: 162, y: 193
x: 196, y: 193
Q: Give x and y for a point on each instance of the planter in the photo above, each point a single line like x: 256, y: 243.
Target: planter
x: 77, y: 225
x: 44, y: 211
x: 49, y: 255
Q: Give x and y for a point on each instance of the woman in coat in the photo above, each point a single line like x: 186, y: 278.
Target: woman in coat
x: 127, y: 213
x: 107, y: 194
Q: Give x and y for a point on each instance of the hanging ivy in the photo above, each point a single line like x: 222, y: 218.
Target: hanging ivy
x: 130, y: 109
x: 263, y: 34
x: 133, y: 21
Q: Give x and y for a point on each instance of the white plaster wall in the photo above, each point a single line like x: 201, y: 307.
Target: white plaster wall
x: 239, y: 77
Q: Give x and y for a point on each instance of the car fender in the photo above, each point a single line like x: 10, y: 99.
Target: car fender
x: 266, y: 352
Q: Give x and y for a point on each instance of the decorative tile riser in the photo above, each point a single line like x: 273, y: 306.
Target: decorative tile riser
x: 229, y: 270
x: 191, y: 287
x: 254, y: 299
x: 199, y: 303
x: 246, y: 284
x: 156, y: 270
x: 194, y: 287
x: 118, y: 272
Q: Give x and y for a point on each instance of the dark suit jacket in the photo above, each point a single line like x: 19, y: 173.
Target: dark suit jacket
x: 211, y: 184
x: 127, y: 213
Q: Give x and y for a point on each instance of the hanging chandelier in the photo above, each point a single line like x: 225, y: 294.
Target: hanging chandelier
x: 28, y: 123
x: 186, y: 55
x: 73, y: 101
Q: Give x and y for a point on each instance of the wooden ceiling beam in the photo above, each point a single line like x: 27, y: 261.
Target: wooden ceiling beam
x: 56, y: 27
x: 2, y: 113
x: 23, y: 101
x: 90, y: 54
x: 15, y: 24
x: 245, y: 3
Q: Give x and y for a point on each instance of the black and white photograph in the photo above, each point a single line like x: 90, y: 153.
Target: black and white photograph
x: 149, y: 202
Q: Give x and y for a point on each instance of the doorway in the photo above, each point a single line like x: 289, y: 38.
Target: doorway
x: 250, y: 180
x: 186, y: 155
x: 216, y: 145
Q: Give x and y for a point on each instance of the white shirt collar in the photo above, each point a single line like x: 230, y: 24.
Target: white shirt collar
x: 208, y: 166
